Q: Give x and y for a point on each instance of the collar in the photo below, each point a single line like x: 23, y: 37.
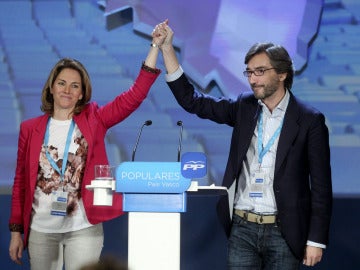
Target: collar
x: 280, y: 108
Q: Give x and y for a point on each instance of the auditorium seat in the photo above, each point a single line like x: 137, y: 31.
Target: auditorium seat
x: 337, y: 16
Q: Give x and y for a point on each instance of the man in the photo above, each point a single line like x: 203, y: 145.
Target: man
x: 279, y: 161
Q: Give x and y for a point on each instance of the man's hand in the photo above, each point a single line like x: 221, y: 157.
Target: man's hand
x: 159, y: 33
x: 312, y: 255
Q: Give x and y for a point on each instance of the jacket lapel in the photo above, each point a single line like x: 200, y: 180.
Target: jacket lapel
x: 34, y: 148
x: 289, y: 132
x: 83, y: 124
x: 247, y: 132
x: 244, y: 132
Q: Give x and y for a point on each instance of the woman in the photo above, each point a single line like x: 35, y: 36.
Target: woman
x: 57, y: 152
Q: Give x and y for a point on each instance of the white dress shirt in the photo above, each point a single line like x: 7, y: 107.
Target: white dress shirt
x: 266, y: 203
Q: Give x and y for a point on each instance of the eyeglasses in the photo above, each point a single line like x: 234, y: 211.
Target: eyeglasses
x: 256, y: 72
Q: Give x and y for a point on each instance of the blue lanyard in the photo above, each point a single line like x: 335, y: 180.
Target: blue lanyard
x: 66, y: 150
x: 263, y: 150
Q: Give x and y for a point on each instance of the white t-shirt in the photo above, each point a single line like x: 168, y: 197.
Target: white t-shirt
x: 49, y: 181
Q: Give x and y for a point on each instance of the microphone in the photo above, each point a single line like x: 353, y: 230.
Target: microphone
x: 146, y: 123
x: 180, y: 124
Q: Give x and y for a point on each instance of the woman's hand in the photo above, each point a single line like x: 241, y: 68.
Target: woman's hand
x: 159, y: 33
x: 16, y: 247
x: 164, y: 35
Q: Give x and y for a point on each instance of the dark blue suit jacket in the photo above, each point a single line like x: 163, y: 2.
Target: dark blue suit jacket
x: 302, y: 180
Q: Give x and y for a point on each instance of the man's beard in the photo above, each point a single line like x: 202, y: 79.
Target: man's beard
x: 265, y: 91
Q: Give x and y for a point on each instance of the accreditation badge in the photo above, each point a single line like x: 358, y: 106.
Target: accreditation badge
x: 257, y: 185
x: 59, y: 203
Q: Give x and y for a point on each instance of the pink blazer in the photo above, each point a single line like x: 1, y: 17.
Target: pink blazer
x: 93, y: 121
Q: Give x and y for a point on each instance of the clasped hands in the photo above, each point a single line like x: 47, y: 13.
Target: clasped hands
x: 162, y: 35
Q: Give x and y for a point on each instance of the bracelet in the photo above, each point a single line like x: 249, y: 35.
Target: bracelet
x: 16, y: 227
x: 154, y: 45
x: 150, y: 69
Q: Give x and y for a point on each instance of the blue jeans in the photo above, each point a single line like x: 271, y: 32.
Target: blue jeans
x: 255, y: 246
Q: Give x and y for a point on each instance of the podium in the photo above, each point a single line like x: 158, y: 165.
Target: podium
x: 155, y: 196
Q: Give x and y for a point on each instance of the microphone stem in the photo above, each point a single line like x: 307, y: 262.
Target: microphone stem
x: 147, y: 123
x: 137, y: 142
x: 180, y: 142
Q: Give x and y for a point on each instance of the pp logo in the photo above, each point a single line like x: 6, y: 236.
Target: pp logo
x: 193, y: 165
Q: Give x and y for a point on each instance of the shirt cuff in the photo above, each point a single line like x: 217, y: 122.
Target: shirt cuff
x: 175, y: 75
x: 314, y: 244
